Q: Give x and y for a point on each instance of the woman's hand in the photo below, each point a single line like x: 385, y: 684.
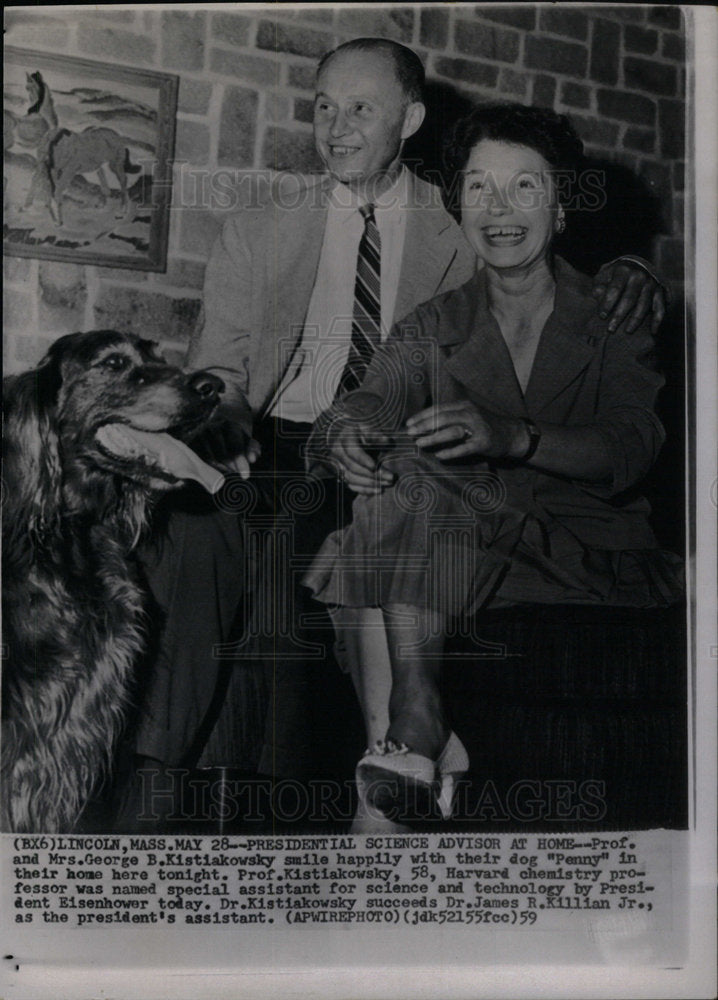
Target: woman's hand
x: 354, y: 465
x: 577, y: 452
x: 467, y: 430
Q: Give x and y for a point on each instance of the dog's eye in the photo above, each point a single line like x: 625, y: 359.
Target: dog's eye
x: 116, y: 362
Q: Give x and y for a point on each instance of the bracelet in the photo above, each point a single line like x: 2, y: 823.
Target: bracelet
x: 534, y: 438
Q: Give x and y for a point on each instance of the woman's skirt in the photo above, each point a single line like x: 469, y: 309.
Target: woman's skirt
x: 449, y: 542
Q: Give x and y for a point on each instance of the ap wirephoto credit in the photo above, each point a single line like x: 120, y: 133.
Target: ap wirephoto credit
x: 359, y: 496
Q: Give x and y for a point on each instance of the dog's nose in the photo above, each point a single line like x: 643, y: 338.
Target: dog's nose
x: 207, y: 385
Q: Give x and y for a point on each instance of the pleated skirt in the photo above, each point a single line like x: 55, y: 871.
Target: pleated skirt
x: 452, y: 543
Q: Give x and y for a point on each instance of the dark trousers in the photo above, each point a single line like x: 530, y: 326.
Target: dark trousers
x: 196, y: 572
x: 311, y: 703
x: 225, y: 575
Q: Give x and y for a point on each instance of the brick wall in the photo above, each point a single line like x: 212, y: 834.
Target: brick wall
x: 246, y: 79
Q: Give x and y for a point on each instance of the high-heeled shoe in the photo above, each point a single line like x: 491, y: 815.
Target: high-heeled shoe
x: 368, y: 819
x: 453, y: 763
x: 391, y: 777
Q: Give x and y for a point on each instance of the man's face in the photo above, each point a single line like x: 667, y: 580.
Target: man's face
x: 361, y: 117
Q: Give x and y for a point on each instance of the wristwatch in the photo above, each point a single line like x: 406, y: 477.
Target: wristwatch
x: 534, y: 438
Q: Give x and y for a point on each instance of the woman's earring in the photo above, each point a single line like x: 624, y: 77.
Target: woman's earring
x: 560, y: 224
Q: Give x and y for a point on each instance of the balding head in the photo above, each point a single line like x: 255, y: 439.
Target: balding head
x: 408, y: 68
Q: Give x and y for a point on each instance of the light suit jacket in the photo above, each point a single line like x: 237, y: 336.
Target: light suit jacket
x: 262, y: 269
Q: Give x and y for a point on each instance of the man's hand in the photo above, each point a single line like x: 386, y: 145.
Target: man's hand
x: 354, y: 465
x: 467, y: 430
x: 626, y: 291
x: 241, y: 463
x: 228, y: 449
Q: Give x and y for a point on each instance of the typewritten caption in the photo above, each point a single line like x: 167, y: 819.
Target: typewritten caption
x: 530, y: 881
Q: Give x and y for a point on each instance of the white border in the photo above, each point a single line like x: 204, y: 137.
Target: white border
x: 698, y: 978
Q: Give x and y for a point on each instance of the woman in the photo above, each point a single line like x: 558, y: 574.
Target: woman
x: 511, y: 430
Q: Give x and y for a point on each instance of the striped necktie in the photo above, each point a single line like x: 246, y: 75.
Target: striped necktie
x: 366, y: 322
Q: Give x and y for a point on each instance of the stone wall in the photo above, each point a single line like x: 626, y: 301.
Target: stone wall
x: 245, y: 101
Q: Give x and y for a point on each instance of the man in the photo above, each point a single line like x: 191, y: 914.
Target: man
x: 270, y: 274
x: 280, y: 304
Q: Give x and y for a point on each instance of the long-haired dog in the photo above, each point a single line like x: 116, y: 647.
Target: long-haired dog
x: 73, y: 607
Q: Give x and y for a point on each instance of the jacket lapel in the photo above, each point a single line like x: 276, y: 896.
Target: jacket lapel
x: 291, y: 260
x: 429, y: 247
x: 480, y: 360
x: 564, y: 352
x: 478, y: 356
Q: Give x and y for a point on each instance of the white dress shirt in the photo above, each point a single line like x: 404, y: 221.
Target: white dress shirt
x: 312, y: 381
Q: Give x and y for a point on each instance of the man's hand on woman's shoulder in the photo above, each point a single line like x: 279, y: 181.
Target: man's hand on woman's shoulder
x: 626, y: 290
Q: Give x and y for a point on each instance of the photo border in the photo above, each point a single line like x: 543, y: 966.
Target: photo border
x: 696, y: 979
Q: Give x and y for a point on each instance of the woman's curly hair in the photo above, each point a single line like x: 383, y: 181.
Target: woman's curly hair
x: 542, y: 129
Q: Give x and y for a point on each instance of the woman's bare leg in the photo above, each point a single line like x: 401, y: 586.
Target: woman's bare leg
x: 363, y: 652
x: 415, y: 638
x: 362, y: 645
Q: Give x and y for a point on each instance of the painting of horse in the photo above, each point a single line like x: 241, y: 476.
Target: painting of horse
x: 62, y: 154
x: 68, y: 154
x: 87, y: 167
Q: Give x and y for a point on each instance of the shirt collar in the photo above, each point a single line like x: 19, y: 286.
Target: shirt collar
x: 344, y: 201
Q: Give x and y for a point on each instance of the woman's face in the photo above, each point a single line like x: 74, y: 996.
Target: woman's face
x: 508, y: 204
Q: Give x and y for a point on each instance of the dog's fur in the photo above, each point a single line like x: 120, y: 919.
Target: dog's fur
x: 73, y: 607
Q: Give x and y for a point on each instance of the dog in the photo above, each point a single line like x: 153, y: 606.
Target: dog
x: 73, y: 607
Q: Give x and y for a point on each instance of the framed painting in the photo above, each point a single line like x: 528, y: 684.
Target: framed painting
x: 87, y: 168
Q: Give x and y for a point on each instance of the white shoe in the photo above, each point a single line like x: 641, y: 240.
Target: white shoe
x: 391, y: 776
x: 368, y: 819
x: 453, y: 763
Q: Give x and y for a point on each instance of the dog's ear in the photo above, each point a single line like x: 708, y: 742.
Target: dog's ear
x: 31, y: 461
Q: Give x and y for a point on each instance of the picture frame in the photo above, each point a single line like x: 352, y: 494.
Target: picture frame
x: 88, y: 160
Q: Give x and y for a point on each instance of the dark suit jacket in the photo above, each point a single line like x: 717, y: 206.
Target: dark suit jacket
x: 451, y: 349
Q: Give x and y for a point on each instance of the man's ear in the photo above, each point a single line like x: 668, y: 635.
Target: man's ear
x: 413, y: 117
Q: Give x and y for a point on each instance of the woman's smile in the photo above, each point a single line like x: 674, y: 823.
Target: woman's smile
x: 504, y: 236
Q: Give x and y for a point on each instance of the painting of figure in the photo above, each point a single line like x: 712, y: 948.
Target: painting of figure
x: 87, y: 160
